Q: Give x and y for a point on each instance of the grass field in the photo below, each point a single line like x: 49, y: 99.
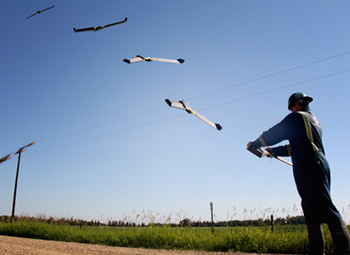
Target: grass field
x: 289, y: 239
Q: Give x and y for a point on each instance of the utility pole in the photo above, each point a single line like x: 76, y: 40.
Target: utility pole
x: 19, y: 152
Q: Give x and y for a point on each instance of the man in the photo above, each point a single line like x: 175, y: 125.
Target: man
x: 311, y: 172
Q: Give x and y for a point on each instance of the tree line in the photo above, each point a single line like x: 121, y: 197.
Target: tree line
x: 293, y: 220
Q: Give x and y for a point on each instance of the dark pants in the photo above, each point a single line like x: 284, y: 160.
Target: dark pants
x: 340, y: 237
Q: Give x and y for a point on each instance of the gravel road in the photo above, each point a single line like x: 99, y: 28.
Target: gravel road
x: 26, y: 246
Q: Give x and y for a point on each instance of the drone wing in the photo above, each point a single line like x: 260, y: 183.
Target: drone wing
x: 136, y: 59
x: 84, y: 29
x: 269, y: 155
x: 284, y: 160
x: 201, y: 117
x: 183, y: 106
x: 116, y: 23
x: 31, y: 15
x: 47, y: 8
x: 260, y: 152
x: 177, y: 105
x: 175, y: 61
x: 3, y: 159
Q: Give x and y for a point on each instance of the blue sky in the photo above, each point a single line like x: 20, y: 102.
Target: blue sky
x: 108, y: 146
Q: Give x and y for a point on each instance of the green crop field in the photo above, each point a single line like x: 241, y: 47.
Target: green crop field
x: 288, y: 239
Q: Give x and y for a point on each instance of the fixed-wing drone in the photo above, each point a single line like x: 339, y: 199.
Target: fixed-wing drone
x: 99, y: 27
x: 139, y: 58
x: 261, y: 152
x: 38, y: 12
x: 184, y: 106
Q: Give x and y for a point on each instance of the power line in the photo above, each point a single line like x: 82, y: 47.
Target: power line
x: 110, y: 133
x: 198, y: 96
x: 277, y: 89
x: 269, y: 75
x: 103, y: 124
x: 203, y: 109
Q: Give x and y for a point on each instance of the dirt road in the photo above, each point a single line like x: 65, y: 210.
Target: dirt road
x: 25, y: 246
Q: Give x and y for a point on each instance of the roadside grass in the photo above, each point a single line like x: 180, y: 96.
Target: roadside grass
x: 291, y: 239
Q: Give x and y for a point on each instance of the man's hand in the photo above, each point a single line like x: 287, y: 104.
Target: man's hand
x: 269, y: 150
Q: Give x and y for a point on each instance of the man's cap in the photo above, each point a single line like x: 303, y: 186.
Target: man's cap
x: 298, y: 97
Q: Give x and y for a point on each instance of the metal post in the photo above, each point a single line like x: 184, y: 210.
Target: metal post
x: 212, y: 221
x: 15, y: 191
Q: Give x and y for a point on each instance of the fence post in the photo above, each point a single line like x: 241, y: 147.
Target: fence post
x: 212, y: 220
x: 271, y: 223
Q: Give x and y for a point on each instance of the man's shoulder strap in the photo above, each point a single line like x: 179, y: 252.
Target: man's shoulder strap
x: 308, y: 129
